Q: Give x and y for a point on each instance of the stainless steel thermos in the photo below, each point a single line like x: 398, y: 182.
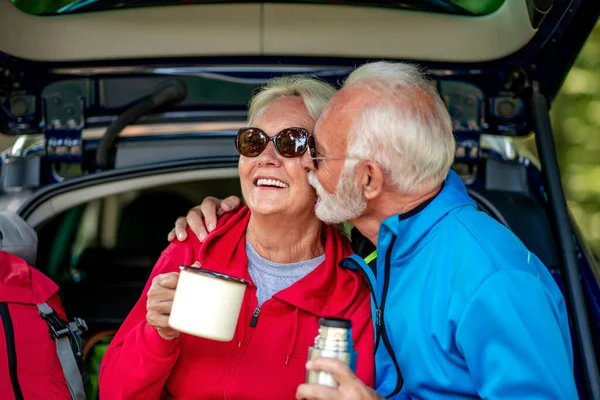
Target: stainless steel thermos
x: 334, y: 340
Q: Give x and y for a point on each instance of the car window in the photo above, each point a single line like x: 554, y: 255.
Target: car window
x: 54, y: 244
x: 135, y: 222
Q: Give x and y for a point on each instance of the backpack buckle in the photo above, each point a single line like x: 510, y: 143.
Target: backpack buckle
x: 58, y: 327
x: 78, y: 326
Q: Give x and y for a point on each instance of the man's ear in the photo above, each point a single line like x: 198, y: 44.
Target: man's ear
x: 371, y: 179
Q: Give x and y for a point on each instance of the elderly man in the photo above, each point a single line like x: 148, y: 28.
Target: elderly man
x: 462, y: 309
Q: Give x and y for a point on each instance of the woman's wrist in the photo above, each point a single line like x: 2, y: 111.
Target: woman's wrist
x: 168, y: 334
x: 157, y: 344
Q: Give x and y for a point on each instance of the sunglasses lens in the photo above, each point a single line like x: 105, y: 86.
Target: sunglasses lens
x: 312, y: 148
x: 251, y: 142
x: 292, y: 142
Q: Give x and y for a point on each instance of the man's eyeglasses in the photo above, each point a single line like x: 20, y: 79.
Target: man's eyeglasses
x: 289, y: 143
x: 315, y: 157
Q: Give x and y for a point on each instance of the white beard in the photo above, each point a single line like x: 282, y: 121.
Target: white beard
x: 345, y: 204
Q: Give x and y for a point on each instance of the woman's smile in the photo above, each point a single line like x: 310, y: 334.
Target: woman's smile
x: 270, y: 183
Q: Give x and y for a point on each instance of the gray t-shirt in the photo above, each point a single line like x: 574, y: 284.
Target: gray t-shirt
x: 271, y: 277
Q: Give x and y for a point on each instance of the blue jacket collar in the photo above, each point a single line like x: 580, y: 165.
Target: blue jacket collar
x: 411, y: 227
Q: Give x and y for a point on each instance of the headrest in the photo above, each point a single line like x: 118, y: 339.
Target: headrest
x: 17, y: 237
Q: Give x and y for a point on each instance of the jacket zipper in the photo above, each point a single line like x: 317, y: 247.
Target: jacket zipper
x: 9, y: 334
x: 378, y: 312
x: 235, y: 367
x: 379, y: 327
x: 254, y: 319
x: 253, y: 322
x: 384, y: 336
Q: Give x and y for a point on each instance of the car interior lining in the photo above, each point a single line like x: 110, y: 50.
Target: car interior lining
x: 65, y: 201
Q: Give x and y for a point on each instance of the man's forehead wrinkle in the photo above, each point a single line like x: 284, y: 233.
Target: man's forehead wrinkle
x: 324, y: 125
x: 329, y: 132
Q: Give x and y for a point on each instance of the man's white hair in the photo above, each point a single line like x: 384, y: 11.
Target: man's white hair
x: 314, y: 93
x: 407, y: 129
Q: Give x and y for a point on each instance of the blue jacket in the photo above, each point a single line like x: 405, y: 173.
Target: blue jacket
x: 463, y: 309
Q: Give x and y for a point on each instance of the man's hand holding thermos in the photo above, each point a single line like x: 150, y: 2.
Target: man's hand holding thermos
x: 330, y: 370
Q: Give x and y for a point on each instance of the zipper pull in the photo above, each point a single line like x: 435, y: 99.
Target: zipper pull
x: 378, y: 327
x: 254, y: 318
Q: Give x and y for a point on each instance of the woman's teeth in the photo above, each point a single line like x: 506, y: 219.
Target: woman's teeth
x: 271, y: 182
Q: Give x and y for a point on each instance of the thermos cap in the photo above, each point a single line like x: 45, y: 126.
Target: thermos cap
x: 335, y: 323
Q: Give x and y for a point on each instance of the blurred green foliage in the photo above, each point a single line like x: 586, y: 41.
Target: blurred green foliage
x: 41, y: 7
x: 576, y: 122
x: 37, y: 7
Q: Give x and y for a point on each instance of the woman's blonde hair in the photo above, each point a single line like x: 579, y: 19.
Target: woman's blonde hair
x: 314, y: 92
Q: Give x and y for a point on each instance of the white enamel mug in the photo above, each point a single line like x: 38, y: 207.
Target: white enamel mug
x: 207, y: 303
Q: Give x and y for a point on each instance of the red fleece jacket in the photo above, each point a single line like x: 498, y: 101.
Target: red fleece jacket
x: 266, y: 361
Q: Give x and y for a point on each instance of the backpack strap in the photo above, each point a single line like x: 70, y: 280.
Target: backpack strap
x: 63, y: 332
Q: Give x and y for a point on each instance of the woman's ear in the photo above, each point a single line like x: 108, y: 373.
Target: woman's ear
x: 371, y: 179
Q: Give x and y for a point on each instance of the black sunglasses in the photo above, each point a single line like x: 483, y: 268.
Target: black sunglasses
x: 289, y: 143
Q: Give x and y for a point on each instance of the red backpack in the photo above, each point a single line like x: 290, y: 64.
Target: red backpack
x: 38, y: 349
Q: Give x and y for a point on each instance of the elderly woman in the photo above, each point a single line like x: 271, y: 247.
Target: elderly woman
x: 275, y: 242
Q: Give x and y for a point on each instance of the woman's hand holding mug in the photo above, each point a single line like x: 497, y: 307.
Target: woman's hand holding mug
x: 159, y: 304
